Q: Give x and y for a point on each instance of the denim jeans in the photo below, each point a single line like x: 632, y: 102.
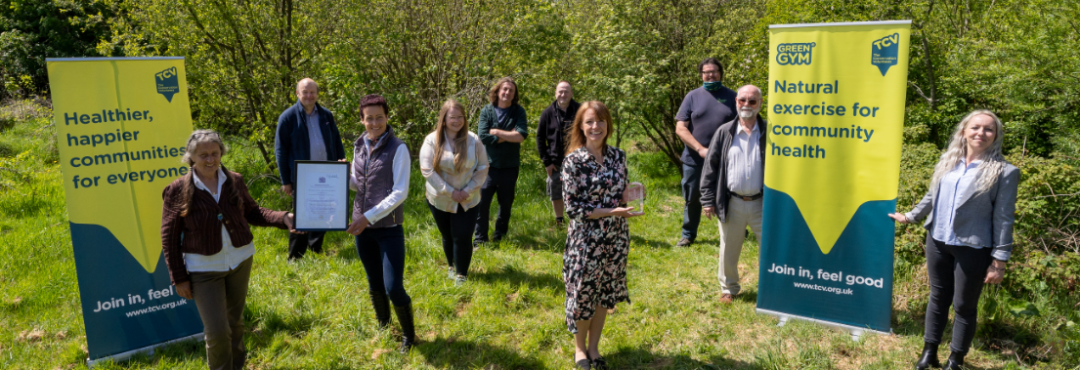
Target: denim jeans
x: 382, y: 252
x: 691, y: 190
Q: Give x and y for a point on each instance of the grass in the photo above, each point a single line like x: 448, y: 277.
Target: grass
x: 316, y: 314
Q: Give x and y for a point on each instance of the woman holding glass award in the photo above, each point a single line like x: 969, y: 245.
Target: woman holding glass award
x: 380, y: 176
x: 595, y: 189
x: 455, y: 164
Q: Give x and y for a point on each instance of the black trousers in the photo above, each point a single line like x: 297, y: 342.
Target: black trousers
x: 500, y: 182
x: 956, y: 278
x: 382, y: 252
x: 456, y: 230
x: 300, y: 243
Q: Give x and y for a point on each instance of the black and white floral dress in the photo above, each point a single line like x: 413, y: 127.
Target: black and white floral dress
x: 594, y: 264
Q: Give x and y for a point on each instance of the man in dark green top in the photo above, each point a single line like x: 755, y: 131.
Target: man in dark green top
x: 502, y: 128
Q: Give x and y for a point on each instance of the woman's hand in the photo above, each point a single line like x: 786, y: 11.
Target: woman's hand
x: 358, y: 226
x: 625, y: 212
x: 459, y: 196
x: 184, y: 290
x: 290, y: 222
x: 899, y: 217
x: 995, y: 273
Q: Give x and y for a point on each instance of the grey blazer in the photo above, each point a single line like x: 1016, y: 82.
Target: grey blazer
x: 985, y: 219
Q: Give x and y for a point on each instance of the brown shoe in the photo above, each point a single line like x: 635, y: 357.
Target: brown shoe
x: 726, y: 298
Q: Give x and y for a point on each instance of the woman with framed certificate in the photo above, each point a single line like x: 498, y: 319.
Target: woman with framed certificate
x: 455, y: 165
x: 206, y: 238
x: 380, y: 177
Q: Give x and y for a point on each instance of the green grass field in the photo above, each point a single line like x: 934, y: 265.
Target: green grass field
x: 316, y: 314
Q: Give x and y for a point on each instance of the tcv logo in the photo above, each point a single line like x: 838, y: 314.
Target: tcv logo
x: 167, y: 83
x: 795, y: 53
x: 884, y: 52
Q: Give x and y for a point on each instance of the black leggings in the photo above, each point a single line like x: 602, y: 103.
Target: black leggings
x: 456, y: 230
x: 956, y: 278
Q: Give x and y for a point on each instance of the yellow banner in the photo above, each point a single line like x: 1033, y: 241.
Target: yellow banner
x: 122, y: 125
x: 836, y: 117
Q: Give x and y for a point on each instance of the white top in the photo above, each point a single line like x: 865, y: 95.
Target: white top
x: 229, y: 257
x: 745, y: 174
x: 402, y: 162
x: 444, y: 180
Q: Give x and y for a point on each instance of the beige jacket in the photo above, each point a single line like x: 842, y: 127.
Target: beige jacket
x: 442, y: 180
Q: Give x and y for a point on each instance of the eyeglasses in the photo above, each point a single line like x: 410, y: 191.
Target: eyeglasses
x: 714, y: 72
x: 748, y: 101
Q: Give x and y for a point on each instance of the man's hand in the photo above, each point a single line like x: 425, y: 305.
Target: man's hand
x: 995, y: 273
x: 899, y: 217
x: 703, y: 151
x: 287, y: 189
x: 549, y: 168
x: 358, y: 226
x: 709, y: 212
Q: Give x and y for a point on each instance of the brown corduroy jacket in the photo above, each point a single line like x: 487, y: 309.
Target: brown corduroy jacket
x: 201, y: 228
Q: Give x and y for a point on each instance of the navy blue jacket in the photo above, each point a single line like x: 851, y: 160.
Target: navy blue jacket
x: 292, y: 143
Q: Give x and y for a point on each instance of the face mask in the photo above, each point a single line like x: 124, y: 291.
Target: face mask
x: 713, y: 86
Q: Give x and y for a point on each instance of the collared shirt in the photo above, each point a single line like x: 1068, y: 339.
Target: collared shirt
x: 229, y: 257
x: 318, y: 146
x: 745, y: 173
x: 952, y: 188
x: 400, y: 190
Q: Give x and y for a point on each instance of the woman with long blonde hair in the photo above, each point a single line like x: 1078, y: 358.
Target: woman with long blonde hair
x: 455, y: 165
x: 969, y: 210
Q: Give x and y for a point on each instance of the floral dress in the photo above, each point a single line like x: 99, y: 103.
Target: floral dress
x: 594, y: 264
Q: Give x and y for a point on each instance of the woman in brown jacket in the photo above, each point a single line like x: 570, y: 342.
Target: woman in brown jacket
x: 207, y: 241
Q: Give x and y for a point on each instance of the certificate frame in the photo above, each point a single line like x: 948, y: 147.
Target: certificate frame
x: 322, y: 196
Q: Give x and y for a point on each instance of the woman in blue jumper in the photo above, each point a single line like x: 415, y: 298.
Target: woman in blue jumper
x: 380, y: 176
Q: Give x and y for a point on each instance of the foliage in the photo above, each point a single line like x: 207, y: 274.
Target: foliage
x: 32, y: 30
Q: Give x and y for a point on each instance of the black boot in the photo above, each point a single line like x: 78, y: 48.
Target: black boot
x: 405, y: 317
x: 955, y: 362
x: 929, y: 357
x: 382, y: 308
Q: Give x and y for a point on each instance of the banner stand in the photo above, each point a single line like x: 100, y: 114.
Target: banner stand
x: 148, y: 350
x: 856, y: 332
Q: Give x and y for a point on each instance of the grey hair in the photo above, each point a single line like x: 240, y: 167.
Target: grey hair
x: 202, y: 137
x: 993, y: 161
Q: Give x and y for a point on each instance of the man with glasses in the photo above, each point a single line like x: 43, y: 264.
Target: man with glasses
x: 732, y: 183
x: 703, y: 110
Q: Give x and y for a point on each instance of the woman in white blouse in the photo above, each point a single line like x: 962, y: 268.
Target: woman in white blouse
x: 969, y: 210
x: 455, y: 165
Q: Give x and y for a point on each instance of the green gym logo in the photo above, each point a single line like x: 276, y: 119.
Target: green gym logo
x: 800, y: 54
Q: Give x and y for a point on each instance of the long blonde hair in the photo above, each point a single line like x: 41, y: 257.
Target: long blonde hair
x: 460, y: 141
x: 993, y: 161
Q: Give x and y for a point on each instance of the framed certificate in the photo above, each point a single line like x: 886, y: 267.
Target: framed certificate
x: 322, y: 190
x: 636, y: 191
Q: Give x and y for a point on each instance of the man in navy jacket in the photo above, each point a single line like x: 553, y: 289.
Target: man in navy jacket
x: 305, y: 131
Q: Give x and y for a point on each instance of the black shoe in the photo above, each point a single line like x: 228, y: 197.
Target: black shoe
x: 405, y: 317
x: 559, y: 222
x: 496, y: 238
x: 382, y: 308
x: 599, y: 363
x: 929, y: 358
x: 955, y: 362
x: 583, y: 364
x: 684, y: 242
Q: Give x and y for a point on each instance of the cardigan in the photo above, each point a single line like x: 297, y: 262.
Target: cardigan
x: 201, y: 228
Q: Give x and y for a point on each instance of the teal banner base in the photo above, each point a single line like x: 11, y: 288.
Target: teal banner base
x: 851, y: 286
x: 124, y: 307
